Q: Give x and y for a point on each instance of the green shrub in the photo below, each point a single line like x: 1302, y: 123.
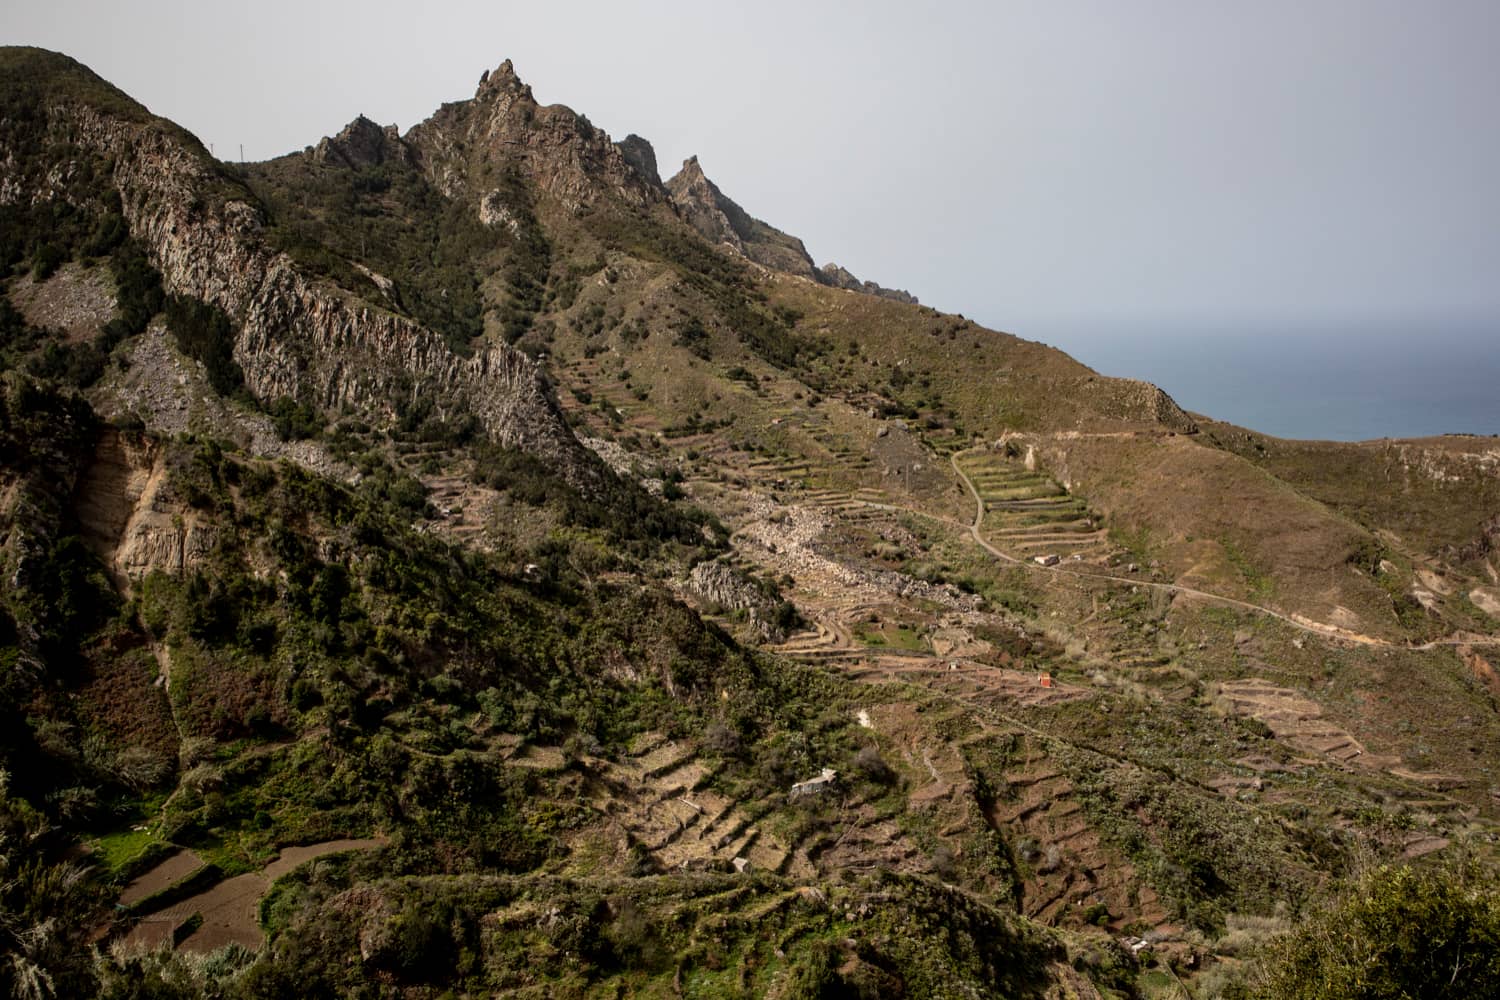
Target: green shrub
x: 294, y: 421
x: 203, y: 332
x: 1399, y: 932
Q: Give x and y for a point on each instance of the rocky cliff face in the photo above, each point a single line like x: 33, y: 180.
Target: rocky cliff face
x: 720, y: 221
x: 361, y: 144
x: 728, y: 587
x: 504, y: 127
x: 129, y: 515
x: 299, y: 337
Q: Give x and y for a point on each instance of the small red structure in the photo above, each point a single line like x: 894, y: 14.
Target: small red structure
x: 1045, y: 680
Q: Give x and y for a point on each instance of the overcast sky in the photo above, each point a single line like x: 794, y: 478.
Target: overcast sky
x: 1055, y: 169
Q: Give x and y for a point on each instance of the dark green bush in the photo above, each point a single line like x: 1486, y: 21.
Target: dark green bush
x: 203, y: 332
x: 1399, y: 932
x: 294, y: 421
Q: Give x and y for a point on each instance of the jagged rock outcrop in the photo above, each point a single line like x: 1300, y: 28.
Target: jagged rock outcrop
x: 1486, y: 541
x: 837, y: 277
x: 552, y: 146
x: 362, y: 144
x: 298, y: 336
x: 728, y: 587
x: 639, y: 154
x: 719, y: 220
x: 1143, y: 400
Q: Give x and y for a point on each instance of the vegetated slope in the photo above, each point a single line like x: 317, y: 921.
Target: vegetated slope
x: 1431, y: 505
x: 320, y: 671
x: 444, y: 622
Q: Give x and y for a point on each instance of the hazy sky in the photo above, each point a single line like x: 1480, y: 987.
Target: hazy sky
x: 1056, y: 169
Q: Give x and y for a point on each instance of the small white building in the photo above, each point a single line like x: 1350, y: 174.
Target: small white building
x: 814, y: 786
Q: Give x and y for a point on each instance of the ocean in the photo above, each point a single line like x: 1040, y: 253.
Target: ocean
x: 1340, y: 387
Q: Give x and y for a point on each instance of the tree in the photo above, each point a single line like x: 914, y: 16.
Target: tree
x: 1400, y: 932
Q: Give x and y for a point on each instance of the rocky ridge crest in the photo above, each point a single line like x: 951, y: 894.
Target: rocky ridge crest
x: 362, y: 144
x: 720, y: 221
x: 296, y: 336
x: 835, y: 276
x: 503, y: 126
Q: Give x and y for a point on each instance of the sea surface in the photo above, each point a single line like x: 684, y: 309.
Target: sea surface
x: 1315, y: 385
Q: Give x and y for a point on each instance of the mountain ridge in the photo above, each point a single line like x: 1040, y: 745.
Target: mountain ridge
x: 656, y: 614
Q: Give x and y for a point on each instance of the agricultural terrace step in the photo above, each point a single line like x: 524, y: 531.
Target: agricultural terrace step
x: 1147, y: 664
x: 1010, y: 492
x: 736, y: 824
x: 1024, y: 512
x: 664, y: 758
x: 1040, y: 535
x: 1030, y: 811
x: 1065, y: 828
x: 715, y: 808
x: 666, y: 828
x: 769, y: 858
x: 977, y: 737
x: 683, y: 779
x: 741, y: 847
x: 979, y: 467
x: 1032, y: 778
x: 1005, y: 477
x: 645, y: 743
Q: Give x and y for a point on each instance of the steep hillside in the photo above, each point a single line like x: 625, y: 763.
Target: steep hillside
x: 294, y: 336
x: 454, y: 561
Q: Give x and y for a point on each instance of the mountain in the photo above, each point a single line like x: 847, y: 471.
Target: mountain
x: 722, y: 222
x: 454, y: 561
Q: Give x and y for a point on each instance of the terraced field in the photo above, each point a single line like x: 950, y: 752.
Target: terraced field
x: 1294, y: 718
x: 1069, y: 871
x: 224, y: 912
x: 461, y: 508
x: 658, y: 794
x: 1028, y: 514
x: 665, y: 803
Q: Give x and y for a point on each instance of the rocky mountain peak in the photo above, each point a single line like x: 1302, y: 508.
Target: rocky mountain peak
x: 295, y: 335
x: 551, y: 145
x: 362, y: 143
x: 640, y: 155
x: 502, y: 79
x: 721, y: 221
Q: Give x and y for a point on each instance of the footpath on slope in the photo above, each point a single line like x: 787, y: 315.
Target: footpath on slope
x: 1296, y: 621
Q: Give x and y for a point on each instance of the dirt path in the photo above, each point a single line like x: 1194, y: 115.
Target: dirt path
x: 1296, y: 621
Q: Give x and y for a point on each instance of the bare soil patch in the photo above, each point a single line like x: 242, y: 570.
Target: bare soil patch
x: 1486, y: 599
x: 172, y: 870
x: 228, y: 909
